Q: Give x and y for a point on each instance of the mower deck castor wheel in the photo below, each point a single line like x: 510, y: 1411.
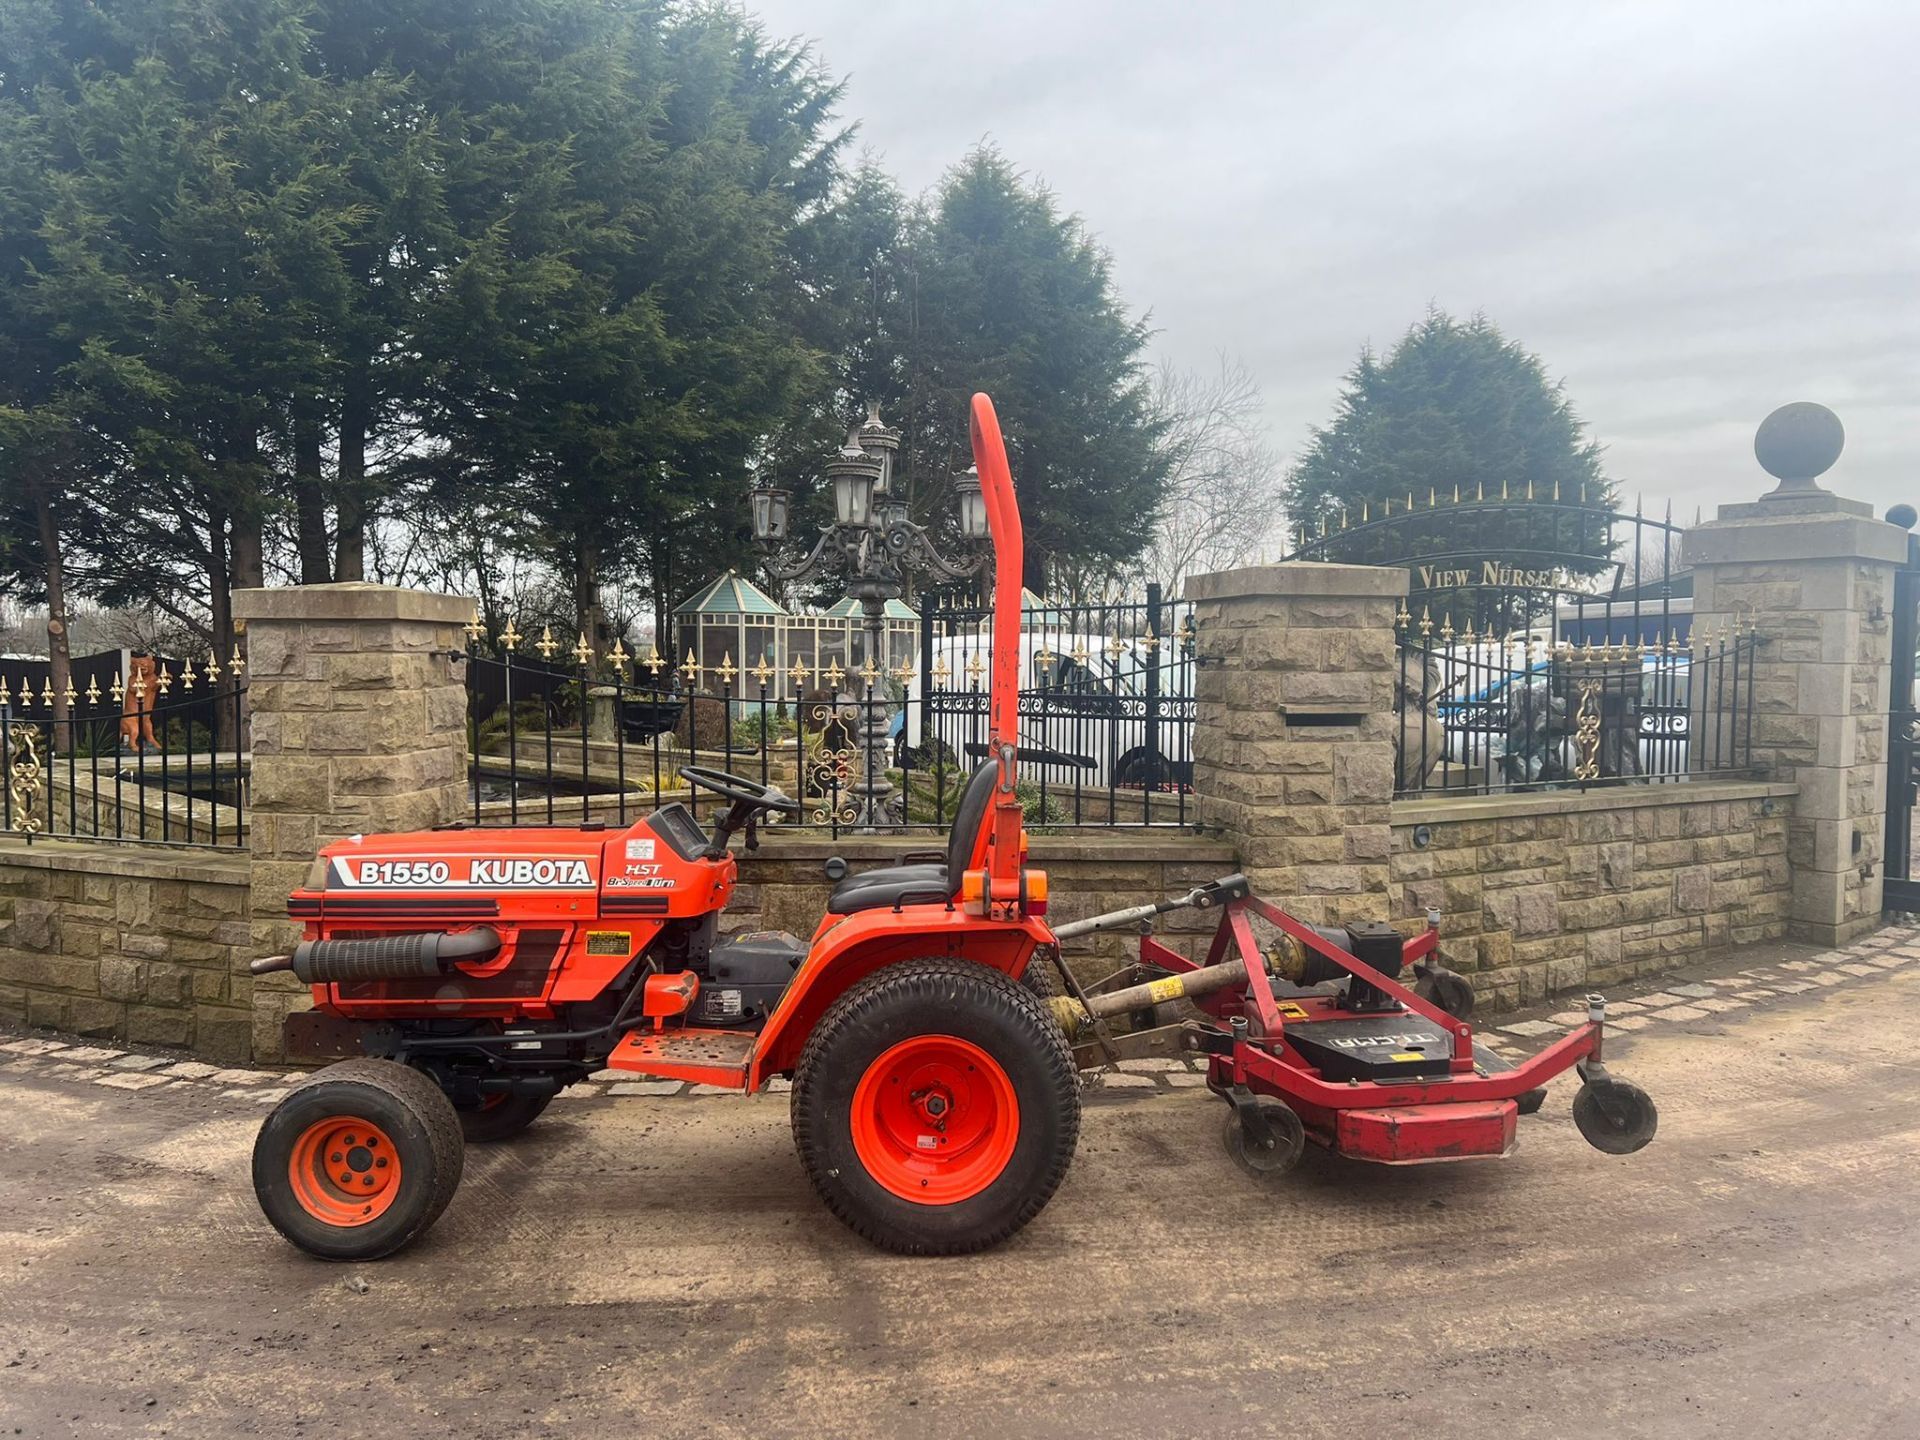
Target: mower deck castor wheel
x: 358, y: 1160
x: 936, y: 1107
x: 500, y: 1117
x: 1274, y: 1153
x: 1615, y: 1116
x: 1447, y: 991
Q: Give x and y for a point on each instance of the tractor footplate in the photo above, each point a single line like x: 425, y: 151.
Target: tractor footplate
x: 1405, y: 1046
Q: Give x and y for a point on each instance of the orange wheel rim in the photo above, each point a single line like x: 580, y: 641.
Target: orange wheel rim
x: 935, y: 1119
x: 344, y: 1171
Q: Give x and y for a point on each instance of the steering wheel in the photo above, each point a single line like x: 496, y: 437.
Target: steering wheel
x: 741, y: 790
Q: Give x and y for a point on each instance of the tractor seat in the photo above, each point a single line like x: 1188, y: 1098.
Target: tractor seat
x: 924, y: 884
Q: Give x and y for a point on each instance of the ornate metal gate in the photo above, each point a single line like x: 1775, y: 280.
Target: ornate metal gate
x: 1902, y: 889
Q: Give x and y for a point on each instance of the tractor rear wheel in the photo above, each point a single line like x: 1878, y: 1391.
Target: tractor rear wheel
x: 936, y: 1107
x: 358, y: 1160
x: 1041, y: 978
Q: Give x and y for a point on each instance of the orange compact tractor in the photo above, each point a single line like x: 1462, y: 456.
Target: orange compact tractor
x: 462, y: 978
x: 467, y: 976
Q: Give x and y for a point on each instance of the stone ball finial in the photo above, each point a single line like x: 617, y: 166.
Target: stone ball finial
x: 1796, y: 444
x: 1905, y: 516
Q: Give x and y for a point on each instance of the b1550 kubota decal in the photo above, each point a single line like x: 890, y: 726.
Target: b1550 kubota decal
x: 461, y: 873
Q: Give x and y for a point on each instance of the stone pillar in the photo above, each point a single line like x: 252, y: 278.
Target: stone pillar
x: 1294, y: 727
x: 1812, y: 574
x: 359, y: 726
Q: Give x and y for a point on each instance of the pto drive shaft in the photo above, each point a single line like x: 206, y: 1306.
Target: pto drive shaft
x: 1070, y: 1014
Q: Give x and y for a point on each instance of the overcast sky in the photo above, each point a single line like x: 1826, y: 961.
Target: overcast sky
x: 1692, y: 212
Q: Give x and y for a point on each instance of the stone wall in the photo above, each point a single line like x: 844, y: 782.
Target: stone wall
x: 1561, y: 891
x: 135, y: 944
x: 782, y: 886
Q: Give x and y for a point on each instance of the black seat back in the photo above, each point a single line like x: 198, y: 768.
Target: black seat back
x: 968, y: 819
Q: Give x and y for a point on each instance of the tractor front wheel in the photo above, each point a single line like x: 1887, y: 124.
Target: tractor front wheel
x: 936, y: 1108
x: 358, y: 1160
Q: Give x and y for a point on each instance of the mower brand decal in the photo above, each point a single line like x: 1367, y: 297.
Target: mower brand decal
x: 1370, y: 1042
x: 481, y: 874
x: 640, y: 882
x: 609, y: 942
x: 639, y: 849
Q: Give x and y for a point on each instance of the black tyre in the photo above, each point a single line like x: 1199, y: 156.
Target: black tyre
x: 1447, y: 991
x: 936, y: 1108
x: 500, y: 1117
x: 1615, y: 1116
x: 1042, y: 979
x: 358, y: 1160
x: 1278, y: 1152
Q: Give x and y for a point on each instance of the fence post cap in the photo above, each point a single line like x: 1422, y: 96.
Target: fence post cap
x: 1749, y: 533
x: 1300, y: 578
x: 350, y: 600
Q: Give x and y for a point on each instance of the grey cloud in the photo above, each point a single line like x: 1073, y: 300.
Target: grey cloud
x: 1692, y: 212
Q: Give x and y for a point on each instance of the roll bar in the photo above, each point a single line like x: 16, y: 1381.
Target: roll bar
x: 1003, y: 695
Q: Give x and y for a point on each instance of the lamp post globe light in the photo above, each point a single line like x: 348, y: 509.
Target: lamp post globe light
x: 872, y: 541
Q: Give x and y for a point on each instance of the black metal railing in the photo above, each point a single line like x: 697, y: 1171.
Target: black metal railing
x: 156, y: 756
x: 1105, y: 704
x: 1486, y: 714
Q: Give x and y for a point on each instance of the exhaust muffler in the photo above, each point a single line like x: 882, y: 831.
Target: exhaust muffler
x: 384, y: 957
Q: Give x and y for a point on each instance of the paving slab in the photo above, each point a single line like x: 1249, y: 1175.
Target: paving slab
x: 125, y: 1080
x: 646, y: 1087
x: 140, y: 1062
x: 1529, y: 1029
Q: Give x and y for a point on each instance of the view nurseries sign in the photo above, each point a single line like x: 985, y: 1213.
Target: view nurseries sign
x: 1495, y: 574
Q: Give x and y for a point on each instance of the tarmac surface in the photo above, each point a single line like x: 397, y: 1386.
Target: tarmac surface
x: 663, y: 1266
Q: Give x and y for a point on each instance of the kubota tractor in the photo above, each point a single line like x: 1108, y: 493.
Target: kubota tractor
x: 462, y: 977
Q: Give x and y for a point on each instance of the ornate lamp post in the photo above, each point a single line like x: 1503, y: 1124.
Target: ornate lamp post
x: 872, y: 540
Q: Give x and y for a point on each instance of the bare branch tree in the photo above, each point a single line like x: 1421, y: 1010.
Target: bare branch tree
x: 1223, y: 501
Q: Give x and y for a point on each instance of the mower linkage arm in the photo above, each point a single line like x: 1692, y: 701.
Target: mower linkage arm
x: 1201, y: 897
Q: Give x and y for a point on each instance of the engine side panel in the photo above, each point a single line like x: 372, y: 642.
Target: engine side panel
x: 573, y: 906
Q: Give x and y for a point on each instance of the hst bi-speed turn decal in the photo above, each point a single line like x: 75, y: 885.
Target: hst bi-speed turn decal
x: 466, y: 872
